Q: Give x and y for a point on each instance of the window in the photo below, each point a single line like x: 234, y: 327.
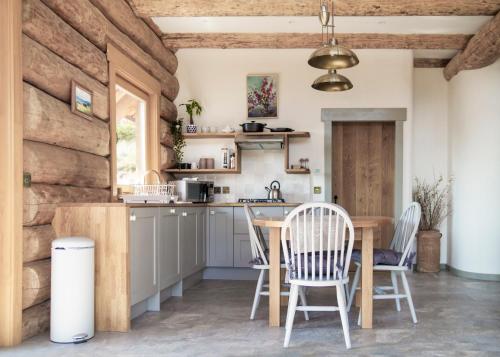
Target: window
x: 134, y: 122
x: 131, y: 134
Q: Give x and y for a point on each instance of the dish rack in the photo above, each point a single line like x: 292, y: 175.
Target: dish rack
x: 152, y: 193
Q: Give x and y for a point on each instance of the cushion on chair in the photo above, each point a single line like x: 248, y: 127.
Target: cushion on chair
x: 384, y: 257
x: 317, y: 257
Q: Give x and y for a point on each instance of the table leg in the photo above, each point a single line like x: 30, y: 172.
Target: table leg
x: 274, y: 277
x: 367, y: 278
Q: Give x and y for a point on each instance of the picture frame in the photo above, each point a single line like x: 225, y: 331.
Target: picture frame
x: 262, y: 94
x: 82, y: 100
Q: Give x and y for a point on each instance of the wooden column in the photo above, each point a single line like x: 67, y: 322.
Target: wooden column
x: 11, y: 173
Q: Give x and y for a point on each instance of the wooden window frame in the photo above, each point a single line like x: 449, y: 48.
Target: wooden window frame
x: 11, y: 173
x: 122, y: 70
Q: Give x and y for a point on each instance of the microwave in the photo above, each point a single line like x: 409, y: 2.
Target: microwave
x: 194, y: 191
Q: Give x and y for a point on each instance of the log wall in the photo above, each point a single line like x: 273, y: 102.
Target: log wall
x: 66, y: 155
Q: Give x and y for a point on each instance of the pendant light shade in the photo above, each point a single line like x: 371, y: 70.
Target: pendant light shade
x: 333, y: 56
x: 332, y: 82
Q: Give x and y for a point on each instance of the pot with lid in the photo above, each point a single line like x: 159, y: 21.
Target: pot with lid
x: 273, y: 191
x: 253, y: 127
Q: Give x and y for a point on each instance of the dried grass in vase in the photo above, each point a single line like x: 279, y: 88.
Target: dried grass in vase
x: 433, y: 199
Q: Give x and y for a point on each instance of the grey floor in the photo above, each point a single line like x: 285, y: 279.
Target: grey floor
x: 457, y: 317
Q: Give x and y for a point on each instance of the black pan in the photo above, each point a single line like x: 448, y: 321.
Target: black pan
x: 280, y: 130
x: 253, y: 127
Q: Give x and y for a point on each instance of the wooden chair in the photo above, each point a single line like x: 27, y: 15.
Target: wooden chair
x: 401, y: 244
x: 321, y: 237
x: 260, y: 261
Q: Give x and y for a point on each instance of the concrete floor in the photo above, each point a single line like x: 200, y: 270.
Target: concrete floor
x: 457, y: 317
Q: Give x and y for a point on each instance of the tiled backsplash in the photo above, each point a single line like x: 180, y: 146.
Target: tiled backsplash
x: 259, y: 169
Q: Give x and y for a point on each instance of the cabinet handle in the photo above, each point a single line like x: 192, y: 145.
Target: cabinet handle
x: 184, y: 214
x: 212, y: 212
x: 133, y: 218
x: 172, y: 210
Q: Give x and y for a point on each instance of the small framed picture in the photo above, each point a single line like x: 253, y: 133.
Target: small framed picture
x: 81, y: 100
x: 262, y: 96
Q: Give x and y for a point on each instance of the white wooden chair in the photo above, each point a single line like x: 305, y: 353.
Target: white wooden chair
x: 402, y: 243
x: 260, y: 261
x: 321, y: 237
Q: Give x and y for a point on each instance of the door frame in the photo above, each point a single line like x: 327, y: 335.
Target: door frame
x: 397, y: 115
x: 11, y: 173
x: 121, y: 67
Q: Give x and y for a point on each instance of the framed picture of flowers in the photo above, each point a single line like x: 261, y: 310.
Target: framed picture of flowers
x: 262, y: 96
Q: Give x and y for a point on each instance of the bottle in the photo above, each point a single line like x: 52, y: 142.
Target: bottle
x: 225, y: 158
x: 232, y: 161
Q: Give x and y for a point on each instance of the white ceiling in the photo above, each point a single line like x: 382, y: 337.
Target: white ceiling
x: 365, y: 24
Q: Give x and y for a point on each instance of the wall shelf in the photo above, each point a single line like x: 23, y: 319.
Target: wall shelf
x: 203, y: 171
x: 286, y: 139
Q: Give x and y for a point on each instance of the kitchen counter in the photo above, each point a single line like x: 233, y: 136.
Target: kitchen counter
x: 211, y: 204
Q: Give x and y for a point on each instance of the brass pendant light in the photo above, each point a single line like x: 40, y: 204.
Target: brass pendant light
x: 331, y: 55
x: 332, y: 82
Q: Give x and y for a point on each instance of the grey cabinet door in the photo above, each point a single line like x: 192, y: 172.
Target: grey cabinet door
x: 242, y: 251
x: 220, y: 241
x: 143, y: 253
x: 188, y: 241
x: 201, y: 238
x: 169, y: 247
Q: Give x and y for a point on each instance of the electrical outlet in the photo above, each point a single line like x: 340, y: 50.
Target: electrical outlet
x: 225, y: 190
x: 217, y: 190
x: 317, y: 190
x: 26, y: 179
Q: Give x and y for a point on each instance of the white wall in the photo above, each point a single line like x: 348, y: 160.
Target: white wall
x: 474, y: 132
x: 430, y: 131
x: 217, y: 78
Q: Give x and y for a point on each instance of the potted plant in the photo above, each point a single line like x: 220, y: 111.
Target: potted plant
x: 193, y: 107
x: 179, y: 143
x: 433, y: 199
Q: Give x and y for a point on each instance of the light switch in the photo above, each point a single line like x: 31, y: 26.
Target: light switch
x: 225, y: 190
x: 217, y: 190
x: 317, y: 190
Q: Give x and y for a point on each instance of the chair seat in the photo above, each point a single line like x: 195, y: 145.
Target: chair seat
x: 383, y: 257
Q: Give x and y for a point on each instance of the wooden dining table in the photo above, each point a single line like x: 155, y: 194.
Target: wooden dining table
x: 364, y: 224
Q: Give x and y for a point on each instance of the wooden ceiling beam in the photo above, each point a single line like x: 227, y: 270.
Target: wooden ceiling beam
x: 313, y: 40
x: 148, y: 8
x: 430, y: 62
x: 482, y: 50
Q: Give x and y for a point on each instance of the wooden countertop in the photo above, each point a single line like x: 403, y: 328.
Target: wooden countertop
x: 212, y: 204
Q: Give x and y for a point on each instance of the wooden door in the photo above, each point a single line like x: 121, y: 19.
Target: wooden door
x: 363, y: 157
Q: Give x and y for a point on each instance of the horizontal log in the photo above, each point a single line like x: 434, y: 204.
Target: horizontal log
x: 90, y: 22
x: 36, y: 282
x: 313, y: 40
x: 55, y: 165
x: 36, y: 320
x: 40, y: 200
x: 49, y: 72
x: 430, y: 62
x: 167, y: 158
x: 37, y: 242
x: 122, y: 16
x: 48, y: 120
x: 150, y: 8
x: 166, y: 137
x: 44, y: 26
x: 168, y: 110
x: 482, y: 50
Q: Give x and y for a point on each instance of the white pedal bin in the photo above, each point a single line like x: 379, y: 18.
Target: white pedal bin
x: 72, y: 290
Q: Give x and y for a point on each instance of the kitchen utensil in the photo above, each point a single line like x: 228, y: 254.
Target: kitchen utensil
x: 253, y: 127
x: 227, y: 129
x: 273, y: 191
x: 280, y: 130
